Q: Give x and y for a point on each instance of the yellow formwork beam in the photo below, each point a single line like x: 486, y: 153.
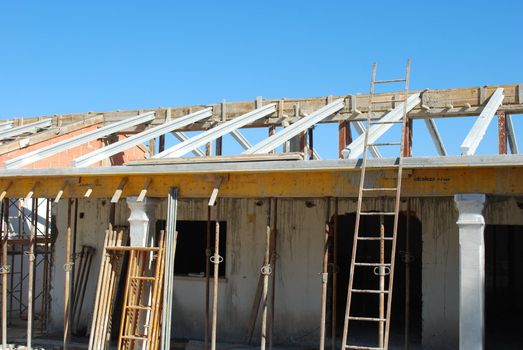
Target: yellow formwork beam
x: 318, y: 183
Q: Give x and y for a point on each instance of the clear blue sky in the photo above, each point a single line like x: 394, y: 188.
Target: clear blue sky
x: 73, y: 56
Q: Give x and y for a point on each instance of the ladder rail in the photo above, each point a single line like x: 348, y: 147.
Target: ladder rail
x: 358, y: 210
x: 385, y: 288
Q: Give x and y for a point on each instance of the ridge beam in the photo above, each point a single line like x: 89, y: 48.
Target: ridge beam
x: 122, y: 145
x: 61, y: 146
x: 212, y: 134
x: 355, y: 149
x: 24, y: 129
x: 182, y: 137
x: 436, y: 137
x: 301, y: 125
x: 478, y: 130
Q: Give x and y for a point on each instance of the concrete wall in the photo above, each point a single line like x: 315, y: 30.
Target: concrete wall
x: 298, y: 283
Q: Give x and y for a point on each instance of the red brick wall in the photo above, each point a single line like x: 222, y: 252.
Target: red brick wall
x: 65, y: 158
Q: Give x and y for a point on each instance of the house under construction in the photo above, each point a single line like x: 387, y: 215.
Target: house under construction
x: 113, y: 236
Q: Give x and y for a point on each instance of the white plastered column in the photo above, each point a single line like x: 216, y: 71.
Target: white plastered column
x: 471, y: 269
x: 142, y: 221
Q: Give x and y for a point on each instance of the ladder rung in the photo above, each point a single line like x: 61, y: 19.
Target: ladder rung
x: 134, y: 337
x: 381, y: 189
x: 371, y: 264
x: 385, y: 144
x: 143, y: 278
x: 370, y: 291
x: 377, y: 213
x: 389, y: 81
x: 138, y: 307
x: 375, y: 238
x: 387, y: 122
x: 370, y: 319
x: 362, y: 347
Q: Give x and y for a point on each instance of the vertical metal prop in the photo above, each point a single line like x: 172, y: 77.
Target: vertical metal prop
x: 170, y: 252
x: 31, y: 266
x: 266, y: 271
x: 5, y: 218
x: 325, y: 274
x: 67, y: 268
x: 381, y: 270
x: 274, y: 253
x: 216, y: 259
x: 334, y: 274
x: 207, y: 277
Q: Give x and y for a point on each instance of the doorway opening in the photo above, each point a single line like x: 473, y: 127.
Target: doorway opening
x: 503, y: 286
x: 366, y: 304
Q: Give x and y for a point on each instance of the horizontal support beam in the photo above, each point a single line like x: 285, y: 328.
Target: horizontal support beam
x: 478, y: 130
x: 142, y: 137
x: 418, y: 182
x: 58, y: 147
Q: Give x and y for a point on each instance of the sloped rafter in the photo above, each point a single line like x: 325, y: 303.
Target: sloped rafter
x: 478, y: 130
x: 241, y: 139
x: 360, y: 129
x: 212, y: 134
x: 61, y: 146
x: 512, y: 141
x: 6, y: 125
x: 182, y: 137
x: 355, y: 149
x: 301, y: 125
x: 139, y: 138
x: 25, y: 129
x: 436, y: 137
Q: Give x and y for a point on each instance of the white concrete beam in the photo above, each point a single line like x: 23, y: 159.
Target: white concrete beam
x: 512, y: 141
x: 182, y: 137
x: 436, y: 137
x: 471, y: 270
x: 478, y: 130
x: 360, y: 129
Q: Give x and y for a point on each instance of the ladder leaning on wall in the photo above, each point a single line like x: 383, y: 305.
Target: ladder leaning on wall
x: 384, y: 268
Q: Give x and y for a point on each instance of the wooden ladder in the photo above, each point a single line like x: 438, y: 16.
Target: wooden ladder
x: 142, y: 304
x: 384, y: 268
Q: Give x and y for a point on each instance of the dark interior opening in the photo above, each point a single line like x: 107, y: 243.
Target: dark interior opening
x: 191, y: 244
x: 368, y: 304
x: 503, y: 286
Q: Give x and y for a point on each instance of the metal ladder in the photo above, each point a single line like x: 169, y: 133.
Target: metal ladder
x: 135, y: 315
x: 381, y: 268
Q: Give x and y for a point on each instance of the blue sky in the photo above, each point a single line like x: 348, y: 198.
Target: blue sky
x: 73, y: 56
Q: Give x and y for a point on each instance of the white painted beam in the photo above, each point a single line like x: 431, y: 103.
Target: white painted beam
x: 58, y: 147
x: 122, y: 145
x: 355, y: 149
x: 436, y: 137
x: 241, y: 139
x: 212, y: 134
x: 301, y: 125
x: 360, y: 129
x: 6, y: 125
x: 478, y: 130
x: 24, y: 129
x: 512, y: 141
x: 182, y: 137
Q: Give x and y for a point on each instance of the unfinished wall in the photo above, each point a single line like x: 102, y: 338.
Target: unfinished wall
x: 298, y: 282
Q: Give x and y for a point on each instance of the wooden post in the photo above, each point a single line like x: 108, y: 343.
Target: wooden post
x: 407, y: 277
x: 325, y: 275
x: 344, y: 136
x: 30, y: 277
x: 273, y: 274
x: 502, y: 132
x: 152, y: 147
x: 334, y: 275
x: 207, y: 277
x: 310, y: 132
x: 161, y: 143
x: 381, y: 271
x: 67, y: 268
x: 266, y: 271
x: 407, y: 141
x: 5, y: 236
x: 217, y: 259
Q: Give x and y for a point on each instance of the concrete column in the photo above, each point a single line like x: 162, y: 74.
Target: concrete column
x: 142, y: 221
x: 471, y: 270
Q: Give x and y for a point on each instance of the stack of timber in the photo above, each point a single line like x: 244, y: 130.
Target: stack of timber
x: 108, y: 278
x: 142, y: 304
